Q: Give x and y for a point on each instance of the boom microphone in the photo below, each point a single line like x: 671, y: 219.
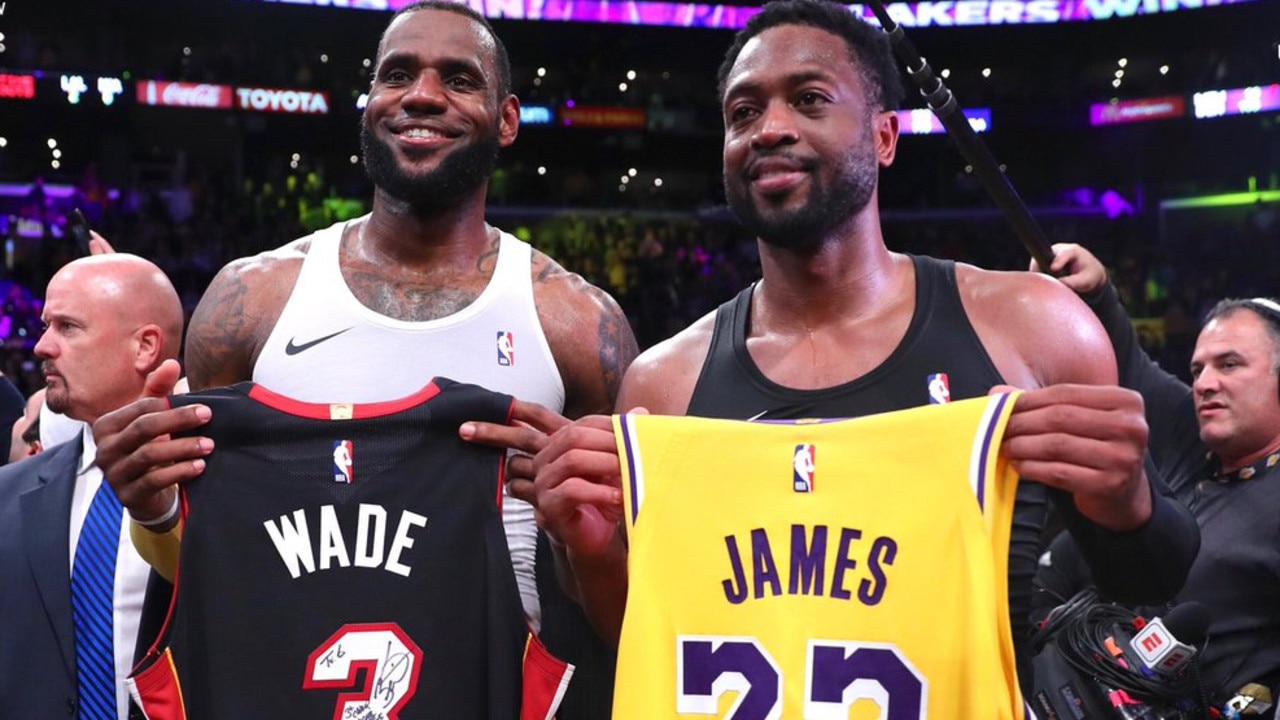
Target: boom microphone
x: 1167, y: 644
x: 944, y: 106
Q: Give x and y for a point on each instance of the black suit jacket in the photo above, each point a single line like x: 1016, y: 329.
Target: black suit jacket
x: 37, y: 635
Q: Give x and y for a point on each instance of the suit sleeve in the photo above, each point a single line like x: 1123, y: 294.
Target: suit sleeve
x: 1150, y: 564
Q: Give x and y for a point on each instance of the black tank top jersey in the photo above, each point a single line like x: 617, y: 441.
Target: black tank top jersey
x: 345, y: 568
x: 940, y: 340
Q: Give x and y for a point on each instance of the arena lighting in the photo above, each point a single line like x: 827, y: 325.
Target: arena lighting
x: 73, y: 86
x: 1139, y: 110
x: 923, y: 121
x: 1222, y: 200
x: 1239, y: 101
x: 536, y: 115
x: 110, y: 88
x: 941, y: 13
x: 19, y: 87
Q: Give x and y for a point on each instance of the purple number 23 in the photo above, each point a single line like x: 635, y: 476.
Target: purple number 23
x: 837, y: 674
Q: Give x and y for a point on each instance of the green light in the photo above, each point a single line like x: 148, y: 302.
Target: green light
x: 1224, y: 200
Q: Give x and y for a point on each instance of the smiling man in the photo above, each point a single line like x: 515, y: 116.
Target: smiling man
x: 370, y: 310
x: 840, y: 326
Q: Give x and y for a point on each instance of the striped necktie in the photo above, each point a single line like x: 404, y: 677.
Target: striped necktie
x: 92, y: 603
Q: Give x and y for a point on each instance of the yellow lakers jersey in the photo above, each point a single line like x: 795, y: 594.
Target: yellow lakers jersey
x: 825, y: 569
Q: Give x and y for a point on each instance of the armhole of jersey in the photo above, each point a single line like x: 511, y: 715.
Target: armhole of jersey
x: 273, y: 345
x: 157, y: 690
x: 521, y: 269
x: 632, y: 468
x: 546, y: 678
x: 995, y: 487
x: 984, y: 459
x: 721, y: 355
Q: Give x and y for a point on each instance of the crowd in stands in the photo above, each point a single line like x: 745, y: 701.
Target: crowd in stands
x: 666, y: 269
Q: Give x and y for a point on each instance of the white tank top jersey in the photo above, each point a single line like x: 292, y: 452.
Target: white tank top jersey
x: 328, y: 347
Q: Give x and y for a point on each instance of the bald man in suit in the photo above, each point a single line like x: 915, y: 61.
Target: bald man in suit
x: 111, y: 319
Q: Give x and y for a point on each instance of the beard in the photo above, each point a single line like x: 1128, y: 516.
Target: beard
x: 827, y: 207
x: 458, y: 174
x: 57, y: 399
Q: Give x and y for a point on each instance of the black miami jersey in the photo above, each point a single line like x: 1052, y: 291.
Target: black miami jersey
x: 347, y: 561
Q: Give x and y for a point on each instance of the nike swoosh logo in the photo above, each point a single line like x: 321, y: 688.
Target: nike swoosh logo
x: 757, y: 416
x: 293, y: 348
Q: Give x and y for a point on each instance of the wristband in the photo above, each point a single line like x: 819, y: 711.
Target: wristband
x: 171, y: 514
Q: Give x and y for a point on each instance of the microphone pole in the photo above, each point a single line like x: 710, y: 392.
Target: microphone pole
x: 944, y: 106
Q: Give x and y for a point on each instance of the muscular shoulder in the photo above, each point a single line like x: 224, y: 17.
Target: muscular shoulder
x: 1035, y: 329
x: 237, y: 313
x: 589, y: 335
x: 662, y: 379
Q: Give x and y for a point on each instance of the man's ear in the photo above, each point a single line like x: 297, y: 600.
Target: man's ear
x: 149, y: 346
x: 886, y: 132
x: 508, y: 120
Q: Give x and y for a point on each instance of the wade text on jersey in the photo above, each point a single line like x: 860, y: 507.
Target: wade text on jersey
x: 374, y: 543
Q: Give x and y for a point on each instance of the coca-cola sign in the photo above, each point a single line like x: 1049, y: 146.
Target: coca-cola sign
x: 286, y: 101
x: 181, y: 94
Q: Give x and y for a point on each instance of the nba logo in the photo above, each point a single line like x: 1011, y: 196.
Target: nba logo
x: 343, y: 462
x: 939, y: 389
x: 506, y: 349
x: 802, y: 468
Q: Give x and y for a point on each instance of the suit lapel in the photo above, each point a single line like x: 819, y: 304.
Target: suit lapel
x: 46, y: 521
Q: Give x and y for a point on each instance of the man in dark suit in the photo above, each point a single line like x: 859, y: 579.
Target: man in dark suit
x: 71, y: 584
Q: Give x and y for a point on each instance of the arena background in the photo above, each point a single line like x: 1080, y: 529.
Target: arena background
x: 1173, y: 178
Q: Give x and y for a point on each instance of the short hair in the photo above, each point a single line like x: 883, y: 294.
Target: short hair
x: 1265, y: 308
x: 500, y: 58
x: 867, y: 45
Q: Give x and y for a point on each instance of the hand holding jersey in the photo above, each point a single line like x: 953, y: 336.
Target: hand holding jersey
x: 1087, y: 440
x: 527, y: 432
x: 139, y: 457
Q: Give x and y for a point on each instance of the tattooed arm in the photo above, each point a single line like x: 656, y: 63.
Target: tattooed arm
x: 589, y: 336
x: 135, y: 451
x: 237, y: 313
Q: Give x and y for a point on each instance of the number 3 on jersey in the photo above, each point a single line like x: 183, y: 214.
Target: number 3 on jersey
x: 391, y: 662
x: 837, y: 675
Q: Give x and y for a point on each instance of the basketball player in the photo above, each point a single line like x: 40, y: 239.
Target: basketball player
x: 839, y: 326
x: 372, y: 309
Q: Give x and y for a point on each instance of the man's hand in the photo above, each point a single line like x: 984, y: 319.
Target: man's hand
x: 579, y: 486
x: 1077, y: 268
x: 527, y: 432
x: 1088, y: 440
x: 139, y: 459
